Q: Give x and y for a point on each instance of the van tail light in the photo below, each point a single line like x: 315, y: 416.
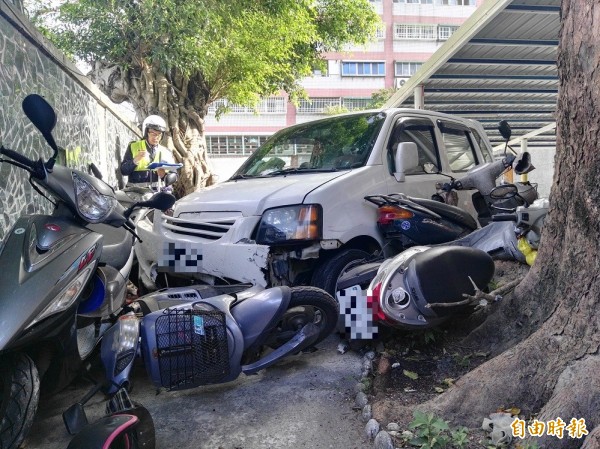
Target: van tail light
x: 387, y: 214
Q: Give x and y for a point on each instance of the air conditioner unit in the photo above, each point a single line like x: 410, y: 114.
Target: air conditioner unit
x: 399, y: 82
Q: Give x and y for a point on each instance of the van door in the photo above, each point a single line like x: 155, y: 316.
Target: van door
x: 421, y: 180
x: 459, y: 149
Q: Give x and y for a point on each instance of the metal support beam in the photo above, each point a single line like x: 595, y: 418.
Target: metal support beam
x: 419, y: 94
x: 530, y: 135
x: 534, y: 9
x: 469, y: 76
x: 491, y: 61
x: 515, y: 42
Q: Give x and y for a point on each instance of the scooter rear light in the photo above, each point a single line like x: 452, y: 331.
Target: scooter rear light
x: 373, y: 298
x: 388, y: 214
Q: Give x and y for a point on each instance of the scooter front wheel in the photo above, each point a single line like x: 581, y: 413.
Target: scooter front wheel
x: 20, y: 387
x: 307, y: 305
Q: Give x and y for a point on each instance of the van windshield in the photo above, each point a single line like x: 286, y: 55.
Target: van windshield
x: 336, y: 143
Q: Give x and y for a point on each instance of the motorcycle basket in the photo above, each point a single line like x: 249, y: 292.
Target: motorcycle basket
x: 191, y: 347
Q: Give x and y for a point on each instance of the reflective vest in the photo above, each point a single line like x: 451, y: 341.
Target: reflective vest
x: 140, y: 145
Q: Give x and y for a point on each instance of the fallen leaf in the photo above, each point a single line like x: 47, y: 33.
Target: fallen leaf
x: 513, y: 411
x: 410, y: 374
x: 439, y: 389
x: 449, y: 381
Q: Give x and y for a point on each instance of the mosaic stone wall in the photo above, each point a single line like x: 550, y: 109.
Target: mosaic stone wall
x: 86, y: 129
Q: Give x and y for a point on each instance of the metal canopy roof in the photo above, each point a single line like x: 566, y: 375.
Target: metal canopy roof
x: 499, y: 65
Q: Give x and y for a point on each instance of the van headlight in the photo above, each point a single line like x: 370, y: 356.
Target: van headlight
x: 289, y: 224
x: 91, y: 204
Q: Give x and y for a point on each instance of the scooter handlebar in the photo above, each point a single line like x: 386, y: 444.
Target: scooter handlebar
x: 504, y: 217
x: 23, y: 160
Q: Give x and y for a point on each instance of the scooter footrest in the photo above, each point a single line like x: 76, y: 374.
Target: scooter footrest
x: 191, y: 347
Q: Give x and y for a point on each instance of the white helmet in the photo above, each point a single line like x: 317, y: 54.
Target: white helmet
x: 154, y: 122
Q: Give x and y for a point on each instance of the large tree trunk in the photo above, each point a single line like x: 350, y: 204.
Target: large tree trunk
x: 182, y: 102
x: 546, y: 338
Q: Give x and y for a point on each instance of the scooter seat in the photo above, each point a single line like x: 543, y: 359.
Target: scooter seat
x: 453, y: 213
x: 117, y: 244
x: 443, y: 274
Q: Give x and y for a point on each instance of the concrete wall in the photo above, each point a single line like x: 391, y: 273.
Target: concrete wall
x: 90, y: 128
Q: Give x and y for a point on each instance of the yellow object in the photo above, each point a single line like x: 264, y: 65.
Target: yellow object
x: 529, y: 253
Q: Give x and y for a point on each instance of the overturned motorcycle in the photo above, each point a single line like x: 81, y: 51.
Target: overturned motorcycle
x: 425, y: 285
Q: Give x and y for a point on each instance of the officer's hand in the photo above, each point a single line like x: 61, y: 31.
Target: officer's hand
x: 161, y: 172
x: 141, y: 155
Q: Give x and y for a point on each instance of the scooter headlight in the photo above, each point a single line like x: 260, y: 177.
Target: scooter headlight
x: 91, y: 204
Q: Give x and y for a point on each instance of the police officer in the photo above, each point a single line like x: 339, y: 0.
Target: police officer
x: 140, y: 154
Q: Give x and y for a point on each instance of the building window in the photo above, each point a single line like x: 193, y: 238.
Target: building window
x: 354, y: 104
x: 406, y: 69
x: 271, y: 105
x: 445, y: 31
x: 456, y: 2
x: 380, y: 31
x: 415, y: 31
x: 422, y: 2
x: 317, y: 105
x: 233, y: 145
x: 353, y: 68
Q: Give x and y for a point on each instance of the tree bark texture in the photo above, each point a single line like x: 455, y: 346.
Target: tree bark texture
x: 546, y: 338
x: 183, y: 102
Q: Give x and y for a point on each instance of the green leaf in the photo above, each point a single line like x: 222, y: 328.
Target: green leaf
x: 410, y: 374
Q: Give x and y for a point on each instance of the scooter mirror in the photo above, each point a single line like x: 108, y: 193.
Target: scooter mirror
x: 504, y: 129
x: 160, y: 201
x: 170, y: 179
x: 42, y: 116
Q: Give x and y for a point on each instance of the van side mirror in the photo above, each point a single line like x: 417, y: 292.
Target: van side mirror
x: 406, y: 157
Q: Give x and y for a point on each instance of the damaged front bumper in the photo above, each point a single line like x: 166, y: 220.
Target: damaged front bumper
x: 202, y: 247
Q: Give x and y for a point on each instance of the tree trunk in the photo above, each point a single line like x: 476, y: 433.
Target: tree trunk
x: 183, y: 104
x: 546, y: 338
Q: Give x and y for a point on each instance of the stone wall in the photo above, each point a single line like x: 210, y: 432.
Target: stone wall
x: 90, y: 128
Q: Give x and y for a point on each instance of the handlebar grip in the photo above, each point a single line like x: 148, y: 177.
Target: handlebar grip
x: 18, y: 157
x: 504, y: 217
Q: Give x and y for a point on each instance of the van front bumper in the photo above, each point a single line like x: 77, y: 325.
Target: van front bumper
x: 177, y: 250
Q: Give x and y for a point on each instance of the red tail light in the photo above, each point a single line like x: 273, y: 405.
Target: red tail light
x: 373, y: 303
x: 387, y: 214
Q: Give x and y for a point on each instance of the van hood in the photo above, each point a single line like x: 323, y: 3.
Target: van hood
x: 253, y: 196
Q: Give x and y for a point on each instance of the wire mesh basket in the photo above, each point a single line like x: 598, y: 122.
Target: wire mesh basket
x: 191, y: 346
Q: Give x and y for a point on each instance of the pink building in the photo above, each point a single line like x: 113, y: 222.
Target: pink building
x: 411, y: 31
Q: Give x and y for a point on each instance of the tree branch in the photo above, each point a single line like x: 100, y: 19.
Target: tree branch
x: 479, y: 298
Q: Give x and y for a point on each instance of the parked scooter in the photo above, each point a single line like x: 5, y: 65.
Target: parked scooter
x: 132, y: 194
x: 63, y: 280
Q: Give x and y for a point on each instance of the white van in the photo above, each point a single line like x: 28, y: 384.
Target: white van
x: 294, y: 213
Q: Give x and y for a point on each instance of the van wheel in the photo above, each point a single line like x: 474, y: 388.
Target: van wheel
x: 326, y: 275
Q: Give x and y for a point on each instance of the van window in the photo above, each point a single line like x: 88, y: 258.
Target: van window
x: 459, y: 146
x: 421, y: 132
x: 487, y: 157
x: 336, y: 143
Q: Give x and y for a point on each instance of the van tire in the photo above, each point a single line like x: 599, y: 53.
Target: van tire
x: 327, y: 273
